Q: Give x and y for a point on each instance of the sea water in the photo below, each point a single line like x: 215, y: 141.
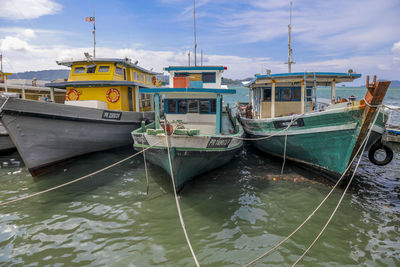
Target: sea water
x: 232, y: 214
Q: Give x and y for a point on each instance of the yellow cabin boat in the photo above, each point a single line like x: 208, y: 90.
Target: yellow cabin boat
x: 107, y: 83
x: 102, y: 107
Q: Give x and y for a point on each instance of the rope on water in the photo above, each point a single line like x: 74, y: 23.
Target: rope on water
x: 176, y: 196
x: 75, y: 180
x: 313, y: 212
x: 341, y: 198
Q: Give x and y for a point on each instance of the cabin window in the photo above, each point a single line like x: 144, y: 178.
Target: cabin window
x: 209, y: 77
x: 296, y: 94
x: 91, y: 69
x: 104, y: 69
x: 141, y: 78
x: 193, y: 106
x: 182, y: 106
x: 148, y: 98
x: 124, y: 74
x: 79, y: 70
x: 181, y: 74
x: 204, y: 106
x: 213, y: 105
x: 171, y: 105
x: 309, y: 94
x: 118, y: 70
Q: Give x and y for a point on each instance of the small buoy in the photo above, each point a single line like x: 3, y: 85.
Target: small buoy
x: 274, y: 179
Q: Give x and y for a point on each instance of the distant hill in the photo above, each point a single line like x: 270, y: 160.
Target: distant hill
x: 46, y: 75
x: 395, y: 84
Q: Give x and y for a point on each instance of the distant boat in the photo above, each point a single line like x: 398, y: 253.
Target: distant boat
x: 102, y: 107
x: 202, y: 134
x: 245, y: 83
x: 224, y: 86
x: 393, y: 128
x: 285, y: 119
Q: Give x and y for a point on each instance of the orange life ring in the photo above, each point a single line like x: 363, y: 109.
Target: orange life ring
x: 112, y: 95
x: 154, y: 80
x: 71, y: 95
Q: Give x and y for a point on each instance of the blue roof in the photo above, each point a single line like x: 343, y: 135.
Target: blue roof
x: 177, y: 68
x: 186, y: 90
x: 310, y: 75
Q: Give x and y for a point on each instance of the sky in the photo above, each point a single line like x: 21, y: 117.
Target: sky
x: 248, y: 37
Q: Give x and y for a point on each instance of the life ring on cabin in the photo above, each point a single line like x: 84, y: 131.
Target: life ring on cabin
x: 71, y: 95
x: 154, y: 80
x: 112, y: 95
x: 379, y: 145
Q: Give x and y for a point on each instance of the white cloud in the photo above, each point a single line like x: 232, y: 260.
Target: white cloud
x: 27, y: 9
x: 396, y: 47
x: 11, y: 43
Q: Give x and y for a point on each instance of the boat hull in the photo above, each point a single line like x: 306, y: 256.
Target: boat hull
x: 48, y: 133
x: 191, y: 156
x: 323, y: 140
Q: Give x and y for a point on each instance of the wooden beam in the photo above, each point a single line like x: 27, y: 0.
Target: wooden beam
x: 273, y: 100
x: 333, y: 91
x: 374, y: 97
x: 303, y: 85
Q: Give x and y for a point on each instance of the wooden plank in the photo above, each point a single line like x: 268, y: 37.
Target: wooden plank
x: 374, y: 97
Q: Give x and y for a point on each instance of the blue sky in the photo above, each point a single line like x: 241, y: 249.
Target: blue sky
x: 247, y: 36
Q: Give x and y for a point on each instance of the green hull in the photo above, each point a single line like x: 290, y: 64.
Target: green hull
x: 187, y: 164
x: 323, y: 140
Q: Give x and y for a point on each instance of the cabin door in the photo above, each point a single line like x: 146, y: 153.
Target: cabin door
x: 130, y: 98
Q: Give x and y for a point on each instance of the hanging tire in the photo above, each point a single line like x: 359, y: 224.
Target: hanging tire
x: 380, y: 146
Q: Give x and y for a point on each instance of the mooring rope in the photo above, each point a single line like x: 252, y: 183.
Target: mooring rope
x: 284, y: 149
x: 176, y: 196
x: 145, y: 166
x: 2, y: 106
x: 313, y: 212
x: 75, y: 180
x: 272, y: 135
x: 344, y: 193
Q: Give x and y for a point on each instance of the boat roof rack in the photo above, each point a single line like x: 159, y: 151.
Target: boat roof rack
x: 64, y: 85
x: 320, y: 78
x: 186, y: 90
x: 187, y: 68
x: 126, y: 62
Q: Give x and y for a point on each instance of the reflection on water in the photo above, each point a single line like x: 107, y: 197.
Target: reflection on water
x: 232, y: 215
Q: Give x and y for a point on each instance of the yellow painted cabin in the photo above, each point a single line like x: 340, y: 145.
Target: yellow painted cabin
x: 107, y: 84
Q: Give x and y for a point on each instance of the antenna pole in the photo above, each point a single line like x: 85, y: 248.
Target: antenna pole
x: 290, y: 62
x: 94, y: 35
x: 194, y: 24
x: 201, y: 57
x: 189, y: 57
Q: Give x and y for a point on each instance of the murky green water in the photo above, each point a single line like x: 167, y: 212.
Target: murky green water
x: 232, y: 214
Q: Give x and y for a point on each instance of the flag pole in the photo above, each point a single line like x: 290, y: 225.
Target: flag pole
x: 94, y: 34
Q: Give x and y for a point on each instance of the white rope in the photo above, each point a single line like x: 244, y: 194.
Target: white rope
x: 2, y: 106
x: 269, y: 136
x: 312, y: 213
x: 176, y: 196
x: 341, y: 198
x: 145, y: 166
x: 369, y: 105
x: 75, y: 180
x: 284, y: 149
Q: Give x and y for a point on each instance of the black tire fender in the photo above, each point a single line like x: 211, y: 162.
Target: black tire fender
x: 376, y: 147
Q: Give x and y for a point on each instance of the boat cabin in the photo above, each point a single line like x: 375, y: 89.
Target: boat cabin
x: 285, y: 94
x: 107, y: 83
x: 194, y: 96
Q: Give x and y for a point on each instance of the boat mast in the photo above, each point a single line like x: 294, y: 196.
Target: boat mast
x: 194, y: 24
x: 94, y: 35
x: 290, y: 62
